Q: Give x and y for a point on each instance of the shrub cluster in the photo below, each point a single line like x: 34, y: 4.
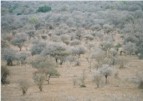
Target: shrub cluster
x: 44, y: 9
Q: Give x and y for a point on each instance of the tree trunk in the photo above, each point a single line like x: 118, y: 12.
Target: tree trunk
x: 106, y: 81
x: 97, y: 85
x: 20, y: 63
x: 113, y: 62
x: 121, y: 66
x: 107, y: 53
x: 141, y: 85
x: 49, y: 79
x: 79, y: 55
x: 9, y: 62
x: 90, y: 66
x: 98, y: 64
x: 40, y: 87
x: 61, y: 62
x: 23, y: 92
x: 25, y: 69
x: 20, y: 48
x: 56, y: 60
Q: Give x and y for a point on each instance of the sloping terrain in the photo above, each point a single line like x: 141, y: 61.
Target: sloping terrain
x: 81, y: 38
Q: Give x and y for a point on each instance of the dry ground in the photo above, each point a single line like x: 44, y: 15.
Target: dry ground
x: 62, y: 89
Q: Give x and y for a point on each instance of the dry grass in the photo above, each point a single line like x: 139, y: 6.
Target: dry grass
x: 62, y: 89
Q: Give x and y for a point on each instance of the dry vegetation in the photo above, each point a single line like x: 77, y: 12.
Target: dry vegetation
x: 72, y: 51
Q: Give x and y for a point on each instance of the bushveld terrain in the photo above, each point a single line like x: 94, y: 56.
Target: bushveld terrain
x: 71, y: 51
x: 62, y: 89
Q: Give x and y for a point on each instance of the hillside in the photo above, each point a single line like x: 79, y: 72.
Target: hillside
x: 71, y: 51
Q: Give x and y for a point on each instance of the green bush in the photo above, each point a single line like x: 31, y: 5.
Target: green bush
x: 118, y: 46
x: 44, y: 9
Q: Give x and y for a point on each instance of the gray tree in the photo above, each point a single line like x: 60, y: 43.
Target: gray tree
x: 140, y: 79
x: 78, y: 50
x: 65, y: 39
x: 19, y: 40
x: 56, y: 50
x: 106, y: 46
x: 130, y: 48
x: 9, y: 55
x: 51, y: 72
x: 82, y: 79
x: 99, y: 55
x: 39, y: 79
x: 31, y: 34
x: 97, y: 78
x: 4, y: 74
x: 45, y: 66
x: 106, y: 71
x: 122, y: 61
x: 21, y: 57
x: 88, y: 37
x: 38, y: 47
x: 24, y: 85
x: 75, y: 42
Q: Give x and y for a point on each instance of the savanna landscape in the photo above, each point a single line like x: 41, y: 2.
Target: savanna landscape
x: 71, y: 51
